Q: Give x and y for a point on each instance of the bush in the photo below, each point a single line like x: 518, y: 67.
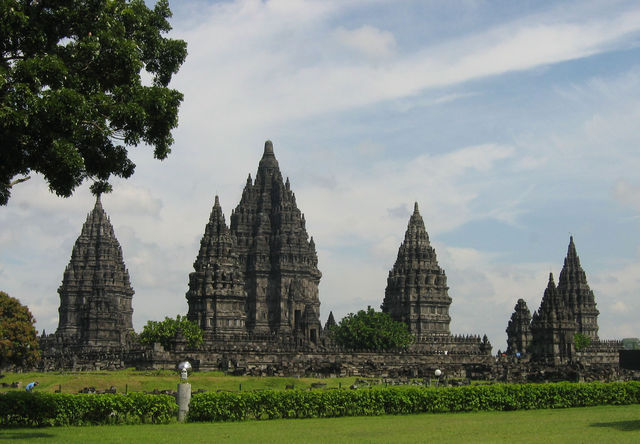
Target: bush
x: 62, y: 409
x: 371, y: 330
x: 165, y: 332
x: 227, y: 406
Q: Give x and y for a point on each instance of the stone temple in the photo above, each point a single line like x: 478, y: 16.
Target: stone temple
x: 217, y: 297
x: 260, y: 276
x: 566, y: 309
x: 254, y: 292
x: 417, y: 292
x: 95, y: 295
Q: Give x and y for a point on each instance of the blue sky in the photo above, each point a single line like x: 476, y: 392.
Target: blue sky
x: 512, y: 124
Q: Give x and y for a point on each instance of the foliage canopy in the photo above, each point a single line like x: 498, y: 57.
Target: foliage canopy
x: 72, y: 97
x: 165, y: 332
x: 18, y: 336
x: 581, y: 341
x: 371, y: 330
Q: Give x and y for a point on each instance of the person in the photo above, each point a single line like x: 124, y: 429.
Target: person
x: 30, y: 386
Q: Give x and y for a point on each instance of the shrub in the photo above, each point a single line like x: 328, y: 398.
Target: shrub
x: 240, y: 406
x: 371, y: 330
x: 165, y: 332
x: 62, y: 409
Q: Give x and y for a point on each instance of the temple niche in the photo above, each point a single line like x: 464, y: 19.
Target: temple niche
x: 95, y: 295
x: 417, y: 292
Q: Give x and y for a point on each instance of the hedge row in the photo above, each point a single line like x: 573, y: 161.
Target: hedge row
x: 227, y: 406
x: 61, y: 409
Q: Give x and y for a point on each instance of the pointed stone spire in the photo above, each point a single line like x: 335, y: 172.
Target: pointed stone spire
x: 576, y: 294
x: 519, y: 329
x: 95, y: 295
x: 552, y: 328
x: 417, y: 291
x: 268, y: 166
x: 279, y: 262
x: 216, y: 294
x: 330, y: 322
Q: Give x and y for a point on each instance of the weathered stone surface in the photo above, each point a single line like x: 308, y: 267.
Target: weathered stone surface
x: 578, y: 297
x: 95, y: 295
x: 331, y: 322
x: 519, y: 329
x: 565, y: 310
x: 216, y: 295
x: 417, y: 292
x: 277, y: 257
x: 552, y: 328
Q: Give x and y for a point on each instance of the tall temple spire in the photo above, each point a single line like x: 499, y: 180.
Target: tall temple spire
x: 576, y: 294
x: 216, y: 294
x: 519, y: 329
x: 95, y: 295
x: 417, y: 291
x: 278, y: 259
x: 552, y: 328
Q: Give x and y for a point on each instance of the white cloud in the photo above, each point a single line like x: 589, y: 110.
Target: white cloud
x: 369, y: 41
x: 286, y: 68
x: 627, y: 194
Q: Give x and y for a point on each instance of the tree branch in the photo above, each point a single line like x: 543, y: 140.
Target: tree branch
x: 17, y: 181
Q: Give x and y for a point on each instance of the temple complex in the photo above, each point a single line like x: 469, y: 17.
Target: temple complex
x: 95, y: 295
x: 254, y: 293
x: 417, y: 292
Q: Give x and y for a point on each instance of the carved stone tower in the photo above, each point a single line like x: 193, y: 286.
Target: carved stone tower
x: 577, y: 296
x: 277, y: 257
x: 519, y: 329
x: 417, y: 291
x: 552, y: 328
x: 216, y: 295
x: 95, y: 295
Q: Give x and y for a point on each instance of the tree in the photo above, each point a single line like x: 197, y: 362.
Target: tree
x: 165, y: 332
x: 371, y: 330
x: 581, y: 341
x: 18, y: 336
x: 72, y: 98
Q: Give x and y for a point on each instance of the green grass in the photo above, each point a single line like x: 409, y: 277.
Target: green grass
x: 605, y: 424
x: 137, y: 381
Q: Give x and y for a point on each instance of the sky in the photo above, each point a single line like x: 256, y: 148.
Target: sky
x: 513, y: 125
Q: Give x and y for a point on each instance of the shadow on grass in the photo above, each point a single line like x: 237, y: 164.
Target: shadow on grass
x: 8, y: 434
x: 623, y: 426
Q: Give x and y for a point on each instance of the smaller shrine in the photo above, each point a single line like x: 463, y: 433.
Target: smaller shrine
x: 95, y: 296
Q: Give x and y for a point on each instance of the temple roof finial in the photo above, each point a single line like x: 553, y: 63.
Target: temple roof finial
x: 268, y: 148
x: 415, y: 208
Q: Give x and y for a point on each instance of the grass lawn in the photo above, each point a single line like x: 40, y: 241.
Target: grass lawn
x: 137, y: 381
x: 605, y: 424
